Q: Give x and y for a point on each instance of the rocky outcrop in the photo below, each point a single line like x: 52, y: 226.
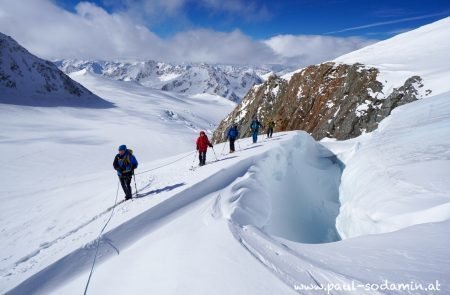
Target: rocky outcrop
x: 326, y: 100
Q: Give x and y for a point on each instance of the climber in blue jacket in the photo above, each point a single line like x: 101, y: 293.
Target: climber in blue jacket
x: 233, y: 134
x: 125, y: 163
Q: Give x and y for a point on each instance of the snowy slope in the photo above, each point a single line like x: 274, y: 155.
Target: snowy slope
x: 408, y: 144
x: 398, y: 175
x: 231, y: 228
x: 62, y: 155
x: 422, y: 52
x: 229, y: 81
x: 277, y: 217
x: 28, y: 80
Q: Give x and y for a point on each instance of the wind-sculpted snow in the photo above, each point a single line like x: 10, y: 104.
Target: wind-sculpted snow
x: 292, y: 193
x: 299, y: 203
x: 248, y: 223
x: 384, y: 187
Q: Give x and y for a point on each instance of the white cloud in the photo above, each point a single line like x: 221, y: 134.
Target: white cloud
x: 211, y: 46
x: 92, y: 33
x: 314, y: 49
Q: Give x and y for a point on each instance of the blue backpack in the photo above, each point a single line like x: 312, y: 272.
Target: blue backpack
x: 233, y: 133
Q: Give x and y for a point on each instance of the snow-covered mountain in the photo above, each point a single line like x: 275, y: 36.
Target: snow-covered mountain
x: 228, y: 81
x: 28, y: 80
x: 354, y: 93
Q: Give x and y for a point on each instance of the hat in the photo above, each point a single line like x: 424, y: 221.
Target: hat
x: 202, y: 132
x: 122, y: 147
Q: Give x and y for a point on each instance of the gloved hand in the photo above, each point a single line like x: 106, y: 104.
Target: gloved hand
x: 210, y: 145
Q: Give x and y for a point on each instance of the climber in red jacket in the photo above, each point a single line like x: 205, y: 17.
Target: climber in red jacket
x: 202, y: 146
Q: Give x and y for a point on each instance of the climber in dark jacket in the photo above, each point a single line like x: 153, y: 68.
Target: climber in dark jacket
x: 254, y: 126
x: 232, y: 135
x: 270, y: 127
x: 125, y: 163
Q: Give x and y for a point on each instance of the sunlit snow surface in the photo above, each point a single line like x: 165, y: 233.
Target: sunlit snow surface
x: 275, y: 217
x: 230, y: 227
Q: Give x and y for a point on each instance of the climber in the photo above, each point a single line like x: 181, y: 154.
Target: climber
x: 232, y: 135
x: 254, y: 126
x: 202, y: 146
x: 125, y: 163
x: 270, y: 127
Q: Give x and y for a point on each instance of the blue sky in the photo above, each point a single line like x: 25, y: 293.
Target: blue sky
x: 263, y: 19
x: 255, y: 32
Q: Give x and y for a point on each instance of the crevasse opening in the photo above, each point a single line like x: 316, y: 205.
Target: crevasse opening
x: 291, y: 193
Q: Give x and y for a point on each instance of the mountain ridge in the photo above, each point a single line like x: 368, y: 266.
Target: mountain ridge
x: 229, y: 81
x: 26, y: 79
x: 345, y: 98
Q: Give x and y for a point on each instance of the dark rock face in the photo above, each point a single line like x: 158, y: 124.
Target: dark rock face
x: 327, y: 100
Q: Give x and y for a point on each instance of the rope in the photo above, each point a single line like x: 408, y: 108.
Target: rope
x: 97, y: 246
x: 156, y: 168
x: 98, y: 241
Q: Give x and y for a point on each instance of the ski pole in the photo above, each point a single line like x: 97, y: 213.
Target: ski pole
x: 195, y: 156
x: 215, y: 154
x: 135, y: 186
x: 239, y: 144
x: 224, y: 144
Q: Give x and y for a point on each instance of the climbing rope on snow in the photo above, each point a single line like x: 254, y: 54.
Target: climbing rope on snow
x: 97, y: 246
x: 168, y: 164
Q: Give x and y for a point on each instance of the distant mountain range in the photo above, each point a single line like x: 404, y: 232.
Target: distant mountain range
x: 229, y: 81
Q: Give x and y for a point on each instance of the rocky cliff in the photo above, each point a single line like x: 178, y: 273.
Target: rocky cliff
x: 327, y: 100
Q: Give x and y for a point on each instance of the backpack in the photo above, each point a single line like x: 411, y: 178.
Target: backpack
x: 126, y: 162
x: 233, y: 132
